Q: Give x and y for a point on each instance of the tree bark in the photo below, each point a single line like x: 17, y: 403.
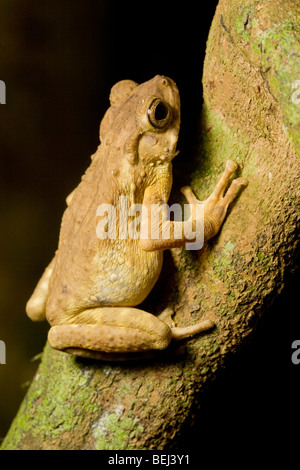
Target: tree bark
x: 249, y: 116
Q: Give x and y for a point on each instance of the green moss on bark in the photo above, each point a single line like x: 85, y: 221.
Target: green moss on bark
x: 47, y: 397
x: 280, y: 62
x: 276, y: 48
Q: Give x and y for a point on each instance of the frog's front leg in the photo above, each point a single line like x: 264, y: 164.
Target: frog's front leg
x: 117, y: 330
x: 215, y: 208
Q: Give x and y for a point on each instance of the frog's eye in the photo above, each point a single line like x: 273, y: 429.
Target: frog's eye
x: 159, y: 113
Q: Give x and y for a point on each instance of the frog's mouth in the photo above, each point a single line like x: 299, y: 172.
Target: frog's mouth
x: 171, y: 155
x: 175, y: 154
x: 168, y: 156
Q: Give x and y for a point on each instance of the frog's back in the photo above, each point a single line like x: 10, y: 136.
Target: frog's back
x: 90, y: 271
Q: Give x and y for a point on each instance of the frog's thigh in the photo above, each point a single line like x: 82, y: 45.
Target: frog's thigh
x: 112, y: 330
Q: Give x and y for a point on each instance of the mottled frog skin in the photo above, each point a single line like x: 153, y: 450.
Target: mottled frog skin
x: 91, y: 288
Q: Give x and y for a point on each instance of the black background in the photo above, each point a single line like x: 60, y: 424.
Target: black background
x: 59, y: 60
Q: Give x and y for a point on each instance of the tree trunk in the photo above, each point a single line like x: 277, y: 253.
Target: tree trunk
x: 250, y: 115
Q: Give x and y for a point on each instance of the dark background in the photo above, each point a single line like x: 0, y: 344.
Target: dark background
x: 59, y: 60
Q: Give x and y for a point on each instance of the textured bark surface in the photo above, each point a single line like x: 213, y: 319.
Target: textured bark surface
x: 248, y: 116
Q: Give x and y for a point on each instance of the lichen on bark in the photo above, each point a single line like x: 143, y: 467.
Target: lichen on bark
x: 268, y: 33
x: 246, y: 116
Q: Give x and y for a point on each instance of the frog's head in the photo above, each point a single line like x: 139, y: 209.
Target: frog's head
x: 144, y: 119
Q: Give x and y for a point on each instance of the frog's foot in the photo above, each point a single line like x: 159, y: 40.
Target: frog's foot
x: 218, y: 197
x: 166, y: 316
x: 216, y: 205
x: 179, y: 333
x: 219, y: 190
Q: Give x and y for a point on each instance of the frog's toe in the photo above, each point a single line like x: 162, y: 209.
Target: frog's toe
x: 186, y: 332
x: 166, y: 316
x: 231, y: 166
x: 189, y: 195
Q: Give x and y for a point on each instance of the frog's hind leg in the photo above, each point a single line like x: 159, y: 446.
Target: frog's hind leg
x: 110, y: 330
x: 118, y: 333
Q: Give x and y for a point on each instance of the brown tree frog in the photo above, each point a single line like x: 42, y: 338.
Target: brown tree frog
x: 91, y: 288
